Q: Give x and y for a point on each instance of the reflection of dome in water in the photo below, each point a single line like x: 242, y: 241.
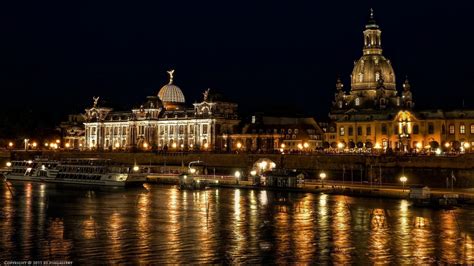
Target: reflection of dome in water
x: 170, y: 94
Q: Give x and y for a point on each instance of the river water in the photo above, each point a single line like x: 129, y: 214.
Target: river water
x: 161, y: 224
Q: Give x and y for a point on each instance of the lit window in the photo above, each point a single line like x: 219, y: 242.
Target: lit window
x: 361, y: 77
x: 472, y: 128
x: 377, y: 76
x: 462, y: 129
x: 341, y: 131
x: 357, y: 101
x: 451, y: 129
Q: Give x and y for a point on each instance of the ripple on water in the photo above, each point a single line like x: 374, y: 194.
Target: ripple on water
x: 165, y: 225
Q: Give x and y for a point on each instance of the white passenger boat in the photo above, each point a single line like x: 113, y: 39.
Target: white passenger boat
x: 75, y: 171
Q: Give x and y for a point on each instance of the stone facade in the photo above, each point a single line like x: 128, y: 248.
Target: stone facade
x: 162, y: 122
x: 374, y: 115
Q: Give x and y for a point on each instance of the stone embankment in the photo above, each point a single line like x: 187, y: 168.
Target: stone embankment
x: 434, y: 171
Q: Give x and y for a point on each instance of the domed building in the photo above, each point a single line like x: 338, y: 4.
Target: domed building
x: 162, y: 122
x: 373, y: 83
x: 373, y: 114
x: 171, y: 95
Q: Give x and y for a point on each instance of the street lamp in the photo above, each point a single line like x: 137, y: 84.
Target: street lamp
x: 237, y: 176
x: 403, y: 179
x: 306, y: 145
x: 10, y: 144
x: 136, y: 168
x: 253, y: 173
x: 239, y: 145
x: 340, y: 145
x: 322, y: 176
x: 145, y: 145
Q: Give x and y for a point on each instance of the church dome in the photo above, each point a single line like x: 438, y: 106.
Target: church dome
x: 170, y: 94
x: 372, y: 66
x: 369, y: 69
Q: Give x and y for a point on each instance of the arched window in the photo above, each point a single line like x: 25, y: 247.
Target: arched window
x: 357, y: 101
x: 361, y: 77
x: 340, y: 104
x: 377, y: 76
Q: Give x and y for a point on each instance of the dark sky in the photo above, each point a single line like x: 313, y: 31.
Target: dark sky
x: 54, y: 56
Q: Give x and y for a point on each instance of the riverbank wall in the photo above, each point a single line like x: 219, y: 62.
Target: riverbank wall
x: 434, y: 171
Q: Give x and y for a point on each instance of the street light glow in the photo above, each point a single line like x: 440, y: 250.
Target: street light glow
x: 322, y: 175
x: 253, y: 173
x: 237, y: 174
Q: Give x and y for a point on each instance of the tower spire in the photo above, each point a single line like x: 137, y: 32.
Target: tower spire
x: 372, y: 36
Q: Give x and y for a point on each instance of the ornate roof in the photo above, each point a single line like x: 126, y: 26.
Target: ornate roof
x: 171, y: 93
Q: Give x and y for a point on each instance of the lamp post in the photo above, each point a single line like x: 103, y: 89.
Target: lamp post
x: 403, y: 179
x: 322, y: 176
x: 237, y: 176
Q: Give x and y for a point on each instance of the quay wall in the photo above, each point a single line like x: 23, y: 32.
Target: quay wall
x: 428, y: 170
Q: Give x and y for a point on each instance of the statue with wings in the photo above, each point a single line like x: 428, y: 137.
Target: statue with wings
x: 96, y: 101
x: 206, y: 94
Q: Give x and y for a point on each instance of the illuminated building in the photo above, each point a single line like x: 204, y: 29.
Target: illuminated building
x: 373, y: 114
x: 162, y: 122
x: 269, y: 133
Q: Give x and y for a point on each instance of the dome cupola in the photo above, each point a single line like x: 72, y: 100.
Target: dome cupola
x: 171, y: 95
x: 372, y: 66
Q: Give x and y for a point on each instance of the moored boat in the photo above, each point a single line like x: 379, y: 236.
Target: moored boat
x: 89, y: 171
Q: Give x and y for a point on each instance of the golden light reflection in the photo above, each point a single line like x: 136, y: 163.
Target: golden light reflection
x: 263, y: 197
x: 239, y: 238
x: 404, y: 249
x: 449, y: 237
x: 172, y: 226
x: 322, y: 221
x: 341, y: 228
x: 143, y: 224
x: 422, y: 240
x: 7, y: 225
x: 57, y: 245
x: 283, y: 243
x: 114, y: 227
x: 88, y: 228
x: 303, y: 227
x: 28, y: 219
x: 380, y: 236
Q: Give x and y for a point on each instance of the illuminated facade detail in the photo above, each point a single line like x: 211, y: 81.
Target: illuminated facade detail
x: 162, y: 125
x: 269, y: 134
x: 388, y: 116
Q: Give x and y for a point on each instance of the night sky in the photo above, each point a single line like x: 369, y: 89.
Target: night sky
x: 265, y: 55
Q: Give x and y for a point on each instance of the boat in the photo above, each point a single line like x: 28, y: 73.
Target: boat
x: 192, y: 182
x: 84, y: 171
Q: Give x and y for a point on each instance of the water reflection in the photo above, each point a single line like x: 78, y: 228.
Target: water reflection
x: 164, y: 225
